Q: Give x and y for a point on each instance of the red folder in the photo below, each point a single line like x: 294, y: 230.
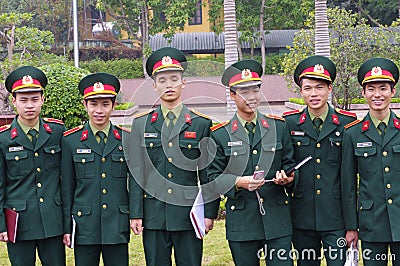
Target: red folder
x: 12, y: 224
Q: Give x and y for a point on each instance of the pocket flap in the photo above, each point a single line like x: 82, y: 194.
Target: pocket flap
x: 118, y: 157
x: 303, y: 141
x: 52, y: 149
x: 189, y: 144
x: 57, y: 200
x: 151, y: 143
x: 235, y: 151
x: 267, y: 146
x: 150, y: 193
x: 16, y: 155
x: 16, y: 205
x: 238, y: 204
x: 83, y: 158
x: 81, y: 210
x: 396, y: 148
x: 366, y: 204
x: 123, y: 208
x: 364, y: 152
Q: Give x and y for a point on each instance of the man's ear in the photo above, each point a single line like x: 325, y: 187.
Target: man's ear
x: 84, y: 103
x: 183, y: 83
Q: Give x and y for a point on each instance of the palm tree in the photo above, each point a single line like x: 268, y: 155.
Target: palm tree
x: 231, y: 48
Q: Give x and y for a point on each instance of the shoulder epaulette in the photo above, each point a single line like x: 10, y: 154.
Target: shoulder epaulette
x: 123, y: 128
x: 4, y: 128
x: 355, y: 122
x: 200, y: 114
x: 217, y: 126
x: 293, y: 112
x: 144, y: 113
x: 72, y: 130
x: 53, y: 120
x: 347, y: 113
x: 275, y: 117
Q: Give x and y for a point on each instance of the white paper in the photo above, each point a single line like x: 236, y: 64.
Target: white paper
x: 352, y: 258
x: 73, y: 233
x: 197, y: 216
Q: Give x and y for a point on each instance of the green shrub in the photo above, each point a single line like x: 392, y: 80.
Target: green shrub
x: 297, y: 101
x: 121, y: 68
x: 62, y: 98
x: 124, y: 106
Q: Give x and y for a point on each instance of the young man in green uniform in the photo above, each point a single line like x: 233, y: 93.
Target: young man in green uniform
x: 317, y: 130
x: 371, y: 155
x: 30, y: 166
x: 257, y: 210
x: 94, y: 179
x: 167, y: 158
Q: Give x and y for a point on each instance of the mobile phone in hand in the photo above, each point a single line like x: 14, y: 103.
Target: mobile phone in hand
x: 258, y: 175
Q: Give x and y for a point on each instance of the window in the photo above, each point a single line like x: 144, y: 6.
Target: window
x: 197, y: 19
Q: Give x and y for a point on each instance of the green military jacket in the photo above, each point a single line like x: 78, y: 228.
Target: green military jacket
x: 30, y: 179
x: 317, y: 198
x: 378, y: 193
x: 167, y: 168
x: 233, y: 156
x: 94, y: 187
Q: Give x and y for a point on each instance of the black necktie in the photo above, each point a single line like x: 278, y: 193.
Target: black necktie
x: 33, y: 133
x: 382, y: 128
x: 171, y: 116
x: 102, y: 136
x: 250, y: 127
x: 317, y: 123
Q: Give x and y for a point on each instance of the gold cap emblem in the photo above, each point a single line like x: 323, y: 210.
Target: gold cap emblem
x: 319, y: 69
x: 166, y: 60
x: 98, y: 86
x: 27, y: 80
x: 376, y: 71
x: 246, y: 74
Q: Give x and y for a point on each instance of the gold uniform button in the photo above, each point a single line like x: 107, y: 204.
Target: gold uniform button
x: 257, y: 167
x: 318, y: 176
x: 104, y: 191
x: 144, y: 196
x: 16, y: 158
x: 298, y: 143
x: 337, y: 143
x: 318, y: 160
x: 104, y: 206
x: 286, y: 202
x: 189, y: 146
x: 39, y: 185
x: 387, y: 169
x: 262, y: 200
x: 318, y: 191
x: 79, y: 213
x: 52, y: 151
x: 233, y: 207
x: 273, y: 149
x: 170, y: 159
x: 169, y: 175
x: 390, y: 201
x: 361, y: 208
x: 38, y: 169
x: 36, y: 154
x: 169, y: 191
x: 388, y: 186
x: 151, y: 145
x: 234, y: 153
x: 83, y: 161
x: 170, y: 144
x: 14, y: 209
x: 103, y: 159
x: 41, y: 200
x: 103, y: 175
x: 254, y: 152
x: 365, y: 154
x: 121, y: 160
x: 385, y: 153
x: 318, y: 145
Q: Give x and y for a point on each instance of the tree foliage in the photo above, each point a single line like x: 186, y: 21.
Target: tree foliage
x: 352, y: 42
x: 62, y: 98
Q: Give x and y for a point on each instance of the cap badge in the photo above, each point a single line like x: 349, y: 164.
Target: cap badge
x: 318, y: 68
x: 246, y: 74
x: 98, y: 86
x: 166, y: 60
x: 27, y: 80
x: 376, y: 71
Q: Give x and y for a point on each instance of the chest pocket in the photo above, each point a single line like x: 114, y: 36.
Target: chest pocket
x: 52, y: 157
x: 84, y: 165
x: 119, y: 168
x: 18, y: 163
x: 335, y: 148
x: 365, y: 158
x: 271, y: 155
x: 238, y: 158
x: 152, y: 146
x: 190, y: 148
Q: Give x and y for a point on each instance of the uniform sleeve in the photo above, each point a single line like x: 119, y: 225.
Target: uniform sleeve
x: 3, y: 179
x: 136, y: 168
x: 349, y: 172
x: 68, y: 184
x: 211, y: 198
x: 288, y: 157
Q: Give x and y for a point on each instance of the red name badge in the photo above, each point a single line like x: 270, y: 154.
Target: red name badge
x: 190, y: 135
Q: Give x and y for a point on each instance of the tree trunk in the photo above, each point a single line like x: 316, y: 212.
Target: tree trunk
x: 10, y: 46
x: 145, y: 35
x: 231, y: 49
x: 262, y: 35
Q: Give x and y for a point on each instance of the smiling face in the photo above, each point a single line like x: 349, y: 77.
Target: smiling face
x: 247, y: 100
x: 99, y: 111
x: 315, y: 94
x: 29, y: 106
x: 169, y: 85
x: 378, y: 96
